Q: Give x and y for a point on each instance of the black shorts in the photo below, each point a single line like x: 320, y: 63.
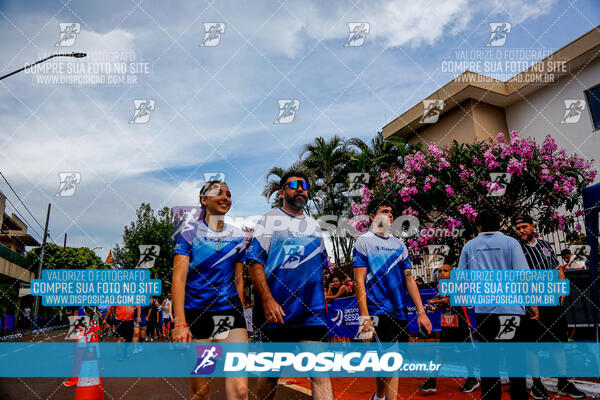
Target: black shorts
x: 500, y: 328
x: 214, y: 324
x: 459, y: 334
x: 551, y: 326
x: 125, y: 329
x: 278, y: 334
x: 390, y: 329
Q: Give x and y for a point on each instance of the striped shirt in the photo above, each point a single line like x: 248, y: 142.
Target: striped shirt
x: 540, y: 255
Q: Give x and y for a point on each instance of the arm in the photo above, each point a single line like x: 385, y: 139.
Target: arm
x: 360, y: 273
x: 273, y: 311
x: 238, y: 277
x: 139, y: 313
x: 413, y: 291
x: 181, y: 332
x: 343, y: 290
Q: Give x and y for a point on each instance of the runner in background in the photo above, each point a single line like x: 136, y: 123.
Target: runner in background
x: 104, y: 326
x: 139, y: 329
x: 167, y: 316
x: 456, y: 328
x: 207, y: 286
x: 159, y: 325
x: 124, y: 316
x: 152, y: 319
x: 382, y: 274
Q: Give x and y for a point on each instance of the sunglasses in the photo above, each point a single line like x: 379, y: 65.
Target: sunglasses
x: 298, y: 184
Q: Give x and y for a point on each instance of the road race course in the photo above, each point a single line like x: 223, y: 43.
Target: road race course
x: 177, y: 388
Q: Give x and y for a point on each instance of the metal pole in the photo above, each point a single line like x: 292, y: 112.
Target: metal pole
x: 39, y: 271
x: 65, y: 242
x: 76, y: 55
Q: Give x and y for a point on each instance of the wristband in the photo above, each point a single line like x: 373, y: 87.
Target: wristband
x: 176, y: 325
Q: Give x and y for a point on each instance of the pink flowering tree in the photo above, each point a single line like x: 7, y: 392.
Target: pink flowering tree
x: 445, y: 187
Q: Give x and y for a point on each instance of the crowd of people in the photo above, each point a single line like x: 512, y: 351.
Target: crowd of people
x: 286, y: 260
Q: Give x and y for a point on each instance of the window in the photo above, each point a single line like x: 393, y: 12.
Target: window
x: 593, y: 99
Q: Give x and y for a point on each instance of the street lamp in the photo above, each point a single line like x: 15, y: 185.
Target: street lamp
x: 75, y: 55
x: 97, y: 248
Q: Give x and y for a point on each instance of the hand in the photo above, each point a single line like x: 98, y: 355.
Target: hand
x: 366, y: 329
x: 561, y: 299
x: 182, y: 333
x: 535, y: 311
x: 273, y: 311
x: 424, y: 322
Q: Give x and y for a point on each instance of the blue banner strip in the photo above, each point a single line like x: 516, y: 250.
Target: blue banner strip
x: 297, y: 359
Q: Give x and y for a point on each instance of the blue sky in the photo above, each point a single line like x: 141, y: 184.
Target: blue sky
x: 215, y: 106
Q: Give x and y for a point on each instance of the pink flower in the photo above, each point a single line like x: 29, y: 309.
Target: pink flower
x: 452, y: 222
x: 468, y: 211
x: 449, y: 191
x: 515, y: 167
x: 434, y: 150
x: 549, y: 145
x: 426, y: 187
x: 490, y: 159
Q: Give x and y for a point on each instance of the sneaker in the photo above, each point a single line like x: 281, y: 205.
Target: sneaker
x: 538, y: 392
x: 570, y: 390
x: 428, y: 386
x: 470, y: 385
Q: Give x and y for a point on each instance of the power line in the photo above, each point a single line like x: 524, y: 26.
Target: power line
x: 23, y: 218
x: 33, y: 216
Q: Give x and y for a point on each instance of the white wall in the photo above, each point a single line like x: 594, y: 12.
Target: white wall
x: 540, y: 114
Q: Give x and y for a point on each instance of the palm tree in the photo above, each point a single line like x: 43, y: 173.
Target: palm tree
x: 327, y: 163
x: 379, y: 155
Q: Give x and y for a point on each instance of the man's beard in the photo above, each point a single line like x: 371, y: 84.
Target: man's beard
x: 528, y: 238
x: 298, y: 200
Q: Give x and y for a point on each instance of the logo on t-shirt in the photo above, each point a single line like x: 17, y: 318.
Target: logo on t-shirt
x: 546, y: 252
x: 292, y: 254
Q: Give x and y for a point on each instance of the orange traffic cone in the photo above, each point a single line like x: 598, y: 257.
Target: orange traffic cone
x: 90, y: 386
x: 78, y: 355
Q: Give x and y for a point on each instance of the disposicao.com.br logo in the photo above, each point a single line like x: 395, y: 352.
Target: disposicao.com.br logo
x: 351, y: 362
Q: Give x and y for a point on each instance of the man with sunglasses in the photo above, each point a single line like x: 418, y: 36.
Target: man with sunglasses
x: 286, y: 260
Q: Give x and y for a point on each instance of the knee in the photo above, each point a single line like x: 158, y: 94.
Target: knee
x: 199, y: 392
x: 239, y: 391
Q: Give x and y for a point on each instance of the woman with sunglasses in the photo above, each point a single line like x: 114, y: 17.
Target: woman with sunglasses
x: 208, y: 284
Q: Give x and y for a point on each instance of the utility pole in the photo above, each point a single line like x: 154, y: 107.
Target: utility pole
x: 39, y: 272
x: 65, y: 242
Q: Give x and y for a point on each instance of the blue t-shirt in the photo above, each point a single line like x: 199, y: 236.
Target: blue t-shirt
x: 293, y: 256
x: 102, y: 310
x: 213, y: 254
x: 494, y: 251
x: 386, y: 259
